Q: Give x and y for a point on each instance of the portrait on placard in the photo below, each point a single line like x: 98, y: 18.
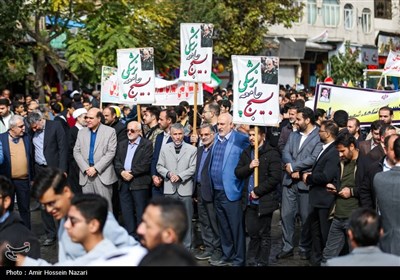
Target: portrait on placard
x: 325, y: 95
x: 147, y: 59
x: 206, y: 35
x: 269, y: 70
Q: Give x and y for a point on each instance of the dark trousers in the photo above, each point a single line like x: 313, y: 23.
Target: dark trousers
x: 259, y: 230
x: 230, y: 222
x: 133, y: 203
x: 49, y: 224
x: 23, y: 193
x: 320, y: 225
x: 73, y: 177
x: 208, y: 224
x: 157, y: 191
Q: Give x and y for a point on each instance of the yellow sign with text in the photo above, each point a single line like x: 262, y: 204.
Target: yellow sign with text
x: 359, y: 103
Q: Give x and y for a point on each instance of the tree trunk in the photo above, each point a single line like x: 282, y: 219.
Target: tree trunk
x: 40, y: 68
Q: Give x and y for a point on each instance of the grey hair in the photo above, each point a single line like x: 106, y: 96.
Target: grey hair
x: 13, y: 120
x: 34, y: 117
x: 177, y: 126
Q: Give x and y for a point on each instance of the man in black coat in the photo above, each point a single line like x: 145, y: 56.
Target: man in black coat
x: 132, y: 165
x: 324, y: 171
x: 260, y: 200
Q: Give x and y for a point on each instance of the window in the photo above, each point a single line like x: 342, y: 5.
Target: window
x: 348, y: 16
x: 383, y: 9
x: 297, y: 4
x: 330, y: 13
x: 311, y: 11
x: 366, y: 20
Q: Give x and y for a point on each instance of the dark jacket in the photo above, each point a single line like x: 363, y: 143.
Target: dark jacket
x: 206, y: 189
x: 140, y: 163
x: 269, y: 176
x: 55, y: 146
x: 325, y: 170
x: 120, y: 130
x: 366, y: 190
x: 15, y: 233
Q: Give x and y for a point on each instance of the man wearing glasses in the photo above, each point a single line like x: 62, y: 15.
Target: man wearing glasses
x: 54, y: 193
x: 94, y: 153
x: 132, y: 165
x: 50, y: 148
x: 17, y: 165
x: 85, y: 223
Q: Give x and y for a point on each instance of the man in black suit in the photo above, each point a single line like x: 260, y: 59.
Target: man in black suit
x: 205, y: 198
x: 324, y: 171
x: 132, y: 165
x: 50, y: 148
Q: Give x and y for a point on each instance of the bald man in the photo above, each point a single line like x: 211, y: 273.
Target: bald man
x: 94, y: 153
x: 132, y: 164
x: 227, y: 188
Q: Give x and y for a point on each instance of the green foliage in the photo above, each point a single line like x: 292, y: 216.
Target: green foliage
x: 240, y: 26
x: 345, y: 67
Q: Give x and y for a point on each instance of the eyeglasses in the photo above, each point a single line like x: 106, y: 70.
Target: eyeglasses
x: 91, y: 118
x: 50, y: 204
x: 133, y: 130
x: 21, y: 126
x: 73, y: 220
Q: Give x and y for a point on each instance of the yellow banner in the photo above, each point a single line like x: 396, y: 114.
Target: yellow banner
x: 359, y: 103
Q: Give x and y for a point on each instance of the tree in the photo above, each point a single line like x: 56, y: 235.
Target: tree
x: 240, y: 26
x: 112, y: 24
x: 240, y: 29
x: 344, y: 67
x: 15, y: 58
x: 123, y: 24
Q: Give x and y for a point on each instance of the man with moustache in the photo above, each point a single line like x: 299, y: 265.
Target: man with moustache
x: 17, y: 165
x: 177, y: 165
x: 132, y: 164
x: 205, y: 198
x: 94, y: 153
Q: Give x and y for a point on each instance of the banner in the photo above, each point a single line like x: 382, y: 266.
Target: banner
x: 196, y: 52
x: 255, y: 90
x: 359, y: 103
x: 109, y: 85
x: 136, y: 75
x: 176, y: 92
x: 392, y: 65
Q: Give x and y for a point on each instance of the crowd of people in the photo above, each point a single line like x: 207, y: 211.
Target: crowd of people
x: 116, y: 189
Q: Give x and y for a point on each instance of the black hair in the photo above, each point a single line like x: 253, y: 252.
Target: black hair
x: 92, y: 206
x: 49, y: 177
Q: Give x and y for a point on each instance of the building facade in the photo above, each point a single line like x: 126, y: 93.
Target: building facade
x: 322, y: 30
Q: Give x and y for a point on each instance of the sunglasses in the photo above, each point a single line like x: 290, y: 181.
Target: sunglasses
x: 133, y: 130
